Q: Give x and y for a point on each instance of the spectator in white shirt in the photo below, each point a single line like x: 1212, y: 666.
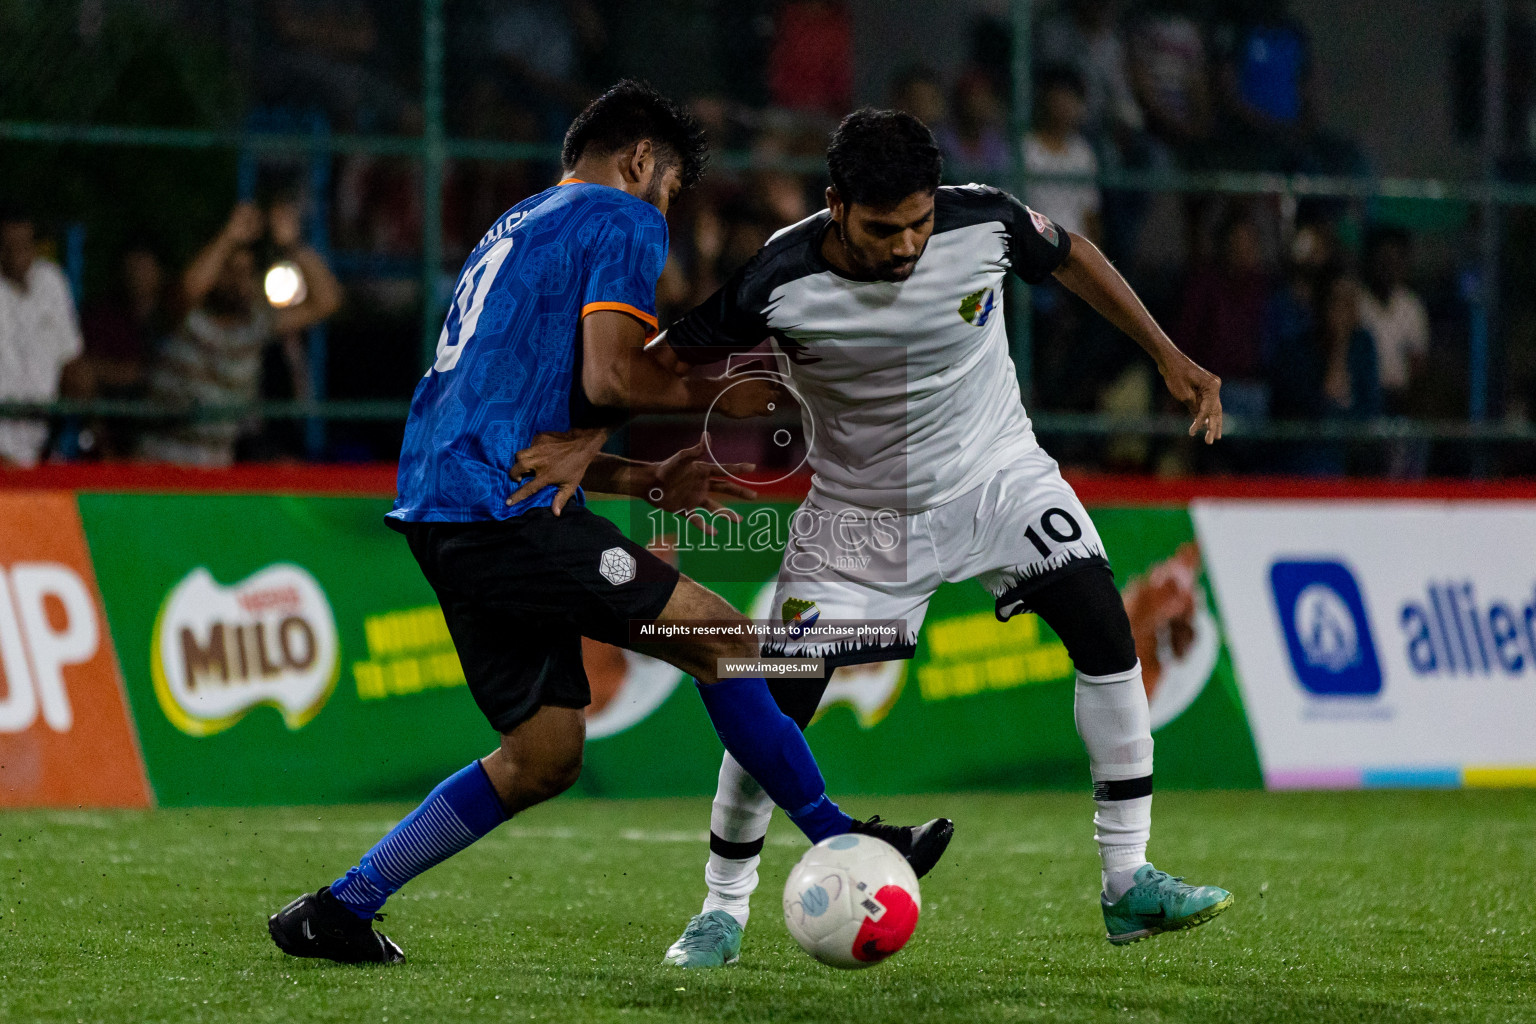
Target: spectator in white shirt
x: 1057, y: 146
x: 1394, y: 315
x: 39, y: 334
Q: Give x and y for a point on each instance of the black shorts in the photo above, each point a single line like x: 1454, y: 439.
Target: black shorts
x: 520, y: 594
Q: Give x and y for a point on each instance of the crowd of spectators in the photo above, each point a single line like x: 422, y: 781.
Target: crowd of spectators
x: 201, y: 341
x: 1307, y: 310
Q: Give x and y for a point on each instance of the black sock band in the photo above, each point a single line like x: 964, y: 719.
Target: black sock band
x: 734, y: 851
x: 1119, y: 789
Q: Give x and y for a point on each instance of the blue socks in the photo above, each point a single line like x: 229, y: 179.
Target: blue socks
x: 459, y: 811
x: 464, y: 806
x: 770, y: 747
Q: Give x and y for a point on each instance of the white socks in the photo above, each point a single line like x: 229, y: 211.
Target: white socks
x: 1111, y: 715
x: 739, y: 817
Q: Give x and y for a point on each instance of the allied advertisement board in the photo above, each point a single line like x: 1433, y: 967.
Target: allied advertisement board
x: 1381, y: 643
x: 195, y: 649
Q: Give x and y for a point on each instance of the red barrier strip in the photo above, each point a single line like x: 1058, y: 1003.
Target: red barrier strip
x: 371, y: 479
x: 378, y: 480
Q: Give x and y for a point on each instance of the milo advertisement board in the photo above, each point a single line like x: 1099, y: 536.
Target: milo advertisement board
x: 982, y: 704
x: 278, y: 649
x: 287, y: 650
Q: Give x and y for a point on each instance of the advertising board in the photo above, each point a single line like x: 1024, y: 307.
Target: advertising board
x: 1383, y: 643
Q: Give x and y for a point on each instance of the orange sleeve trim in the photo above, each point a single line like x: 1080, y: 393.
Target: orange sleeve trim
x: 570, y: 181
x: 649, y: 319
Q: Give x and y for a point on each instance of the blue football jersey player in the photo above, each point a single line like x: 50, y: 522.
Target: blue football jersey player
x: 508, y: 354
x: 545, y: 334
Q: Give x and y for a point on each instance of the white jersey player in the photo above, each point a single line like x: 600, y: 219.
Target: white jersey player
x: 887, y: 311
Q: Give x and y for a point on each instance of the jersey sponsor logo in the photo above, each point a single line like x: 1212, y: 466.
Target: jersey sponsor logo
x: 1326, y: 629
x: 1044, y: 226
x: 976, y: 308
x: 219, y: 651
x: 617, y: 566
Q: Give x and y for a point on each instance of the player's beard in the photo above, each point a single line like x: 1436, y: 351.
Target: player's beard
x: 652, y: 193
x: 881, y: 270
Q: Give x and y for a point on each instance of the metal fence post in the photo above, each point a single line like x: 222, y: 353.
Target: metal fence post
x: 432, y: 158
x: 1494, y: 32
x: 317, y: 347
x: 1020, y: 322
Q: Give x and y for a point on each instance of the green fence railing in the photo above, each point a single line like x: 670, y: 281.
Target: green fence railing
x: 433, y: 149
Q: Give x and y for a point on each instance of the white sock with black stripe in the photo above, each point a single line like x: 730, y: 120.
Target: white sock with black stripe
x: 1112, y: 718
x: 737, y: 824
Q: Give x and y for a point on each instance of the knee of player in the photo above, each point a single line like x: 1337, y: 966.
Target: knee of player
x: 724, y: 649
x: 1086, y: 611
x: 1111, y: 651
x: 550, y: 778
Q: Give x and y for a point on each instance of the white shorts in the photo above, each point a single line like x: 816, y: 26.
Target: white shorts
x: 1021, y: 529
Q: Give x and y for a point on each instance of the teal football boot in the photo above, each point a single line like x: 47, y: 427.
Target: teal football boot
x: 710, y: 940
x: 1159, y: 902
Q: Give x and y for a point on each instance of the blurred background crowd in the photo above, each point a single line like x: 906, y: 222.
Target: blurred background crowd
x: 144, y: 272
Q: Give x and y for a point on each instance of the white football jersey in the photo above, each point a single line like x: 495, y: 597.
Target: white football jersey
x: 909, y: 396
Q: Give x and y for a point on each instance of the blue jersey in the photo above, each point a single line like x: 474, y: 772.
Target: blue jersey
x: 506, y: 359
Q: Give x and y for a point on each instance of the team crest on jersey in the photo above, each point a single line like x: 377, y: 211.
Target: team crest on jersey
x: 976, y: 308
x: 799, y: 614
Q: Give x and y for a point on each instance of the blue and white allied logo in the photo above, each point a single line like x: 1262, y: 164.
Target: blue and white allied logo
x: 1326, y: 629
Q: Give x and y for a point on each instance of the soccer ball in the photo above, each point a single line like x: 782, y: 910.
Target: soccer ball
x: 852, y: 901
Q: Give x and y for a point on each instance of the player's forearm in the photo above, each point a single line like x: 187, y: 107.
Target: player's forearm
x: 614, y: 474
x: 1091, y: 277
x: 640, y: 383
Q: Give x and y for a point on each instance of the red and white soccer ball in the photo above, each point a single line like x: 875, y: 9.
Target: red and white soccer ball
x: 852, y: 901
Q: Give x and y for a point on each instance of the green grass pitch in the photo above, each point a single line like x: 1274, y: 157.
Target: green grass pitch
x: 1350, y: 907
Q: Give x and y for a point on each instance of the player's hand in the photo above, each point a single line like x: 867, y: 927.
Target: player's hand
x: 745, y: 396
x: 1200, y: 391
x: 245, y: 224
x: 692, y: 486
x: 558, y: 460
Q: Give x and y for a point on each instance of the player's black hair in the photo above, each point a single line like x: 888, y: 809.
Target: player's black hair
x: 629, y: 112
x: 879, y: 157
x: 1060, y: 76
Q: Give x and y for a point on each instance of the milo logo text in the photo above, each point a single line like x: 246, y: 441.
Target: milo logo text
x: 221, y: 650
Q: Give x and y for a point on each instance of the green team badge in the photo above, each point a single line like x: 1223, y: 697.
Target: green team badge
x: 976, y: 308
x: 799, y: 614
